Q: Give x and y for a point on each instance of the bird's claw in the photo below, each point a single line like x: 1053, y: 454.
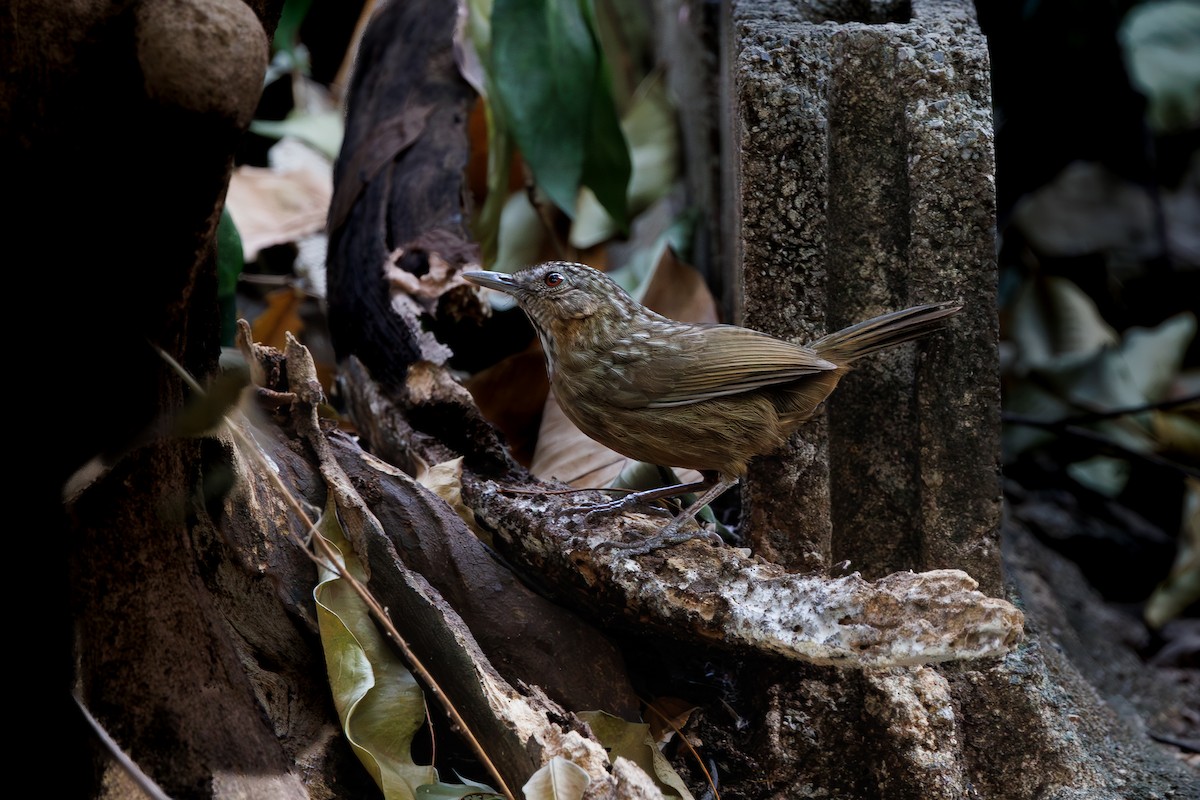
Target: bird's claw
x: 590, y: 510
x: 665, y: 538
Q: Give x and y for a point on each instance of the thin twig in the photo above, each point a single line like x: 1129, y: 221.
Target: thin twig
x: 143, y: 781
x: 692, y: 750
x: 1101, y: 442
x: 1101, y: 416
x: 374, y: 607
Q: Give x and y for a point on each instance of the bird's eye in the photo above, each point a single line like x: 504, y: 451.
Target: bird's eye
x: 554, y: 279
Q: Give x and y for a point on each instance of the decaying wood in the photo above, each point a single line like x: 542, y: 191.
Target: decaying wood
x: 717, y: 596
x: 405, y: 133
x: 517, y: 728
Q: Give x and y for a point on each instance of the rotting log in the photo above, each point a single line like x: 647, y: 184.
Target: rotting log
x: 721, y: 597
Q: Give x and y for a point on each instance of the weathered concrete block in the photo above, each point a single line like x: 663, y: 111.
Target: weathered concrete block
x: 861, y: 179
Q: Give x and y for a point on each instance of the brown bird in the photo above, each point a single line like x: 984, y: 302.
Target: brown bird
x: 700, y: 396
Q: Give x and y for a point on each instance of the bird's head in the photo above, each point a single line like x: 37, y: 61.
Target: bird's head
x: 558, y: 292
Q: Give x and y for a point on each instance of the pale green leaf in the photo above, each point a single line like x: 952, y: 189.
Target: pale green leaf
x: 1089, y: 208
x: 1160, y: 41
x: 632, y: 740
x: 378, y: 700
x: 1055, y: 325
x: 323, y: 130
x: 650, y: 128
x: 560, y: 779
x: 450, y: 791
x: 1102, y: 474
x: 1181, y: 588
x: 521, y: 234
x: 473, y: 42
x: 1136, y: 372
x: 640, y: 476
x: 1153, y: 356
x: 628, y: 36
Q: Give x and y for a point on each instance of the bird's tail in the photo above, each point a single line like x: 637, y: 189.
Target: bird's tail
x: 883, y: 331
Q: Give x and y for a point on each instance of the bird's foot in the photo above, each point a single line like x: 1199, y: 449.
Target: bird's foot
x: 621, y: 504
x: 668, y: 536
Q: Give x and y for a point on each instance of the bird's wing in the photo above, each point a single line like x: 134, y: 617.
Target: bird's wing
x: 702, y: 362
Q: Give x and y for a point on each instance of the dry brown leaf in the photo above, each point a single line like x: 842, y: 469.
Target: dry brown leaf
x: 566, y: 453
x: 678, y: 290
x: 510, y: 395
x: 282, y: 315
x: 666, y: 716
x: 271, y: 208
x: 445, y: 480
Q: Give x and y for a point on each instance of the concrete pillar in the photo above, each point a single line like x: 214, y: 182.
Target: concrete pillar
x: 860, y: 179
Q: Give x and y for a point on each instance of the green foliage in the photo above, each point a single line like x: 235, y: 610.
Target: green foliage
x: 1161, y: 45
x: 230, y: 262
x: 287, y: 32
x: 553, y: 93
x: 1072, y: 364
x: 632, y: 740
x: 552, y: 81
x: 322, y: 129
x: 378, y: 700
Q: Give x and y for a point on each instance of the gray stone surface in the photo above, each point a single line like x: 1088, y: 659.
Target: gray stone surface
x: 861, y: 179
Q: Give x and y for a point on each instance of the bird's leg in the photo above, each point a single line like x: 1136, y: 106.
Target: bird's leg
x: 636, y: 499
x: 672, y: 533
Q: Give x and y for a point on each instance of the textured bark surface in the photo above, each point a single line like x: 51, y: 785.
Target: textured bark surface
x: 183, y: 653
x: 405, y: 139
x: 720, y: 597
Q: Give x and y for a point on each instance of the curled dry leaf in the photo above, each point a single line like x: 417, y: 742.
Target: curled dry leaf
x: 511, y: 395
x: 633, y: 740
x: 558, y: 779
x: 273, y: 207
x: 445, y: 480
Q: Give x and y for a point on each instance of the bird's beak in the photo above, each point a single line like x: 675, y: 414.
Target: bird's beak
x: 501, y: 281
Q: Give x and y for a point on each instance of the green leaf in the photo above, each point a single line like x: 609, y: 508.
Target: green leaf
x: 1056, y: 325
x: 632, y: 740
x: 1101, y: 474
x: 560, y: 779
x: 287, y: 32
x: 231, y: 261
x: 551, y: 82
x: 450, y: 791
x: 1154, y: 356
x: 640, y: 476
x: 650, y: 128
x: 323, y: 130
x: 1160, y: 42
x: 378, y: 700
x: 1181, y: 587
x: 521, y: 234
